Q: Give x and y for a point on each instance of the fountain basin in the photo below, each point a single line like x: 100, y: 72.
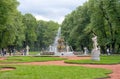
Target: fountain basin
x: 64, y: 54
x: 47, y: 53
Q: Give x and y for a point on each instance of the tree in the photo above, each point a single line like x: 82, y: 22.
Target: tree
x: 101, y: 17
x: 46, y: 32
x: 30, y: 24
x: 20, y: 30
x: 8, y: 10
x: 73, y: 28
x: 105, y: 22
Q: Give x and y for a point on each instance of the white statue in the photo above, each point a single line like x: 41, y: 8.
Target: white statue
x: 96, y: 49
x: 67, y: 48
x: 85, y: 50
x: 95, y: 44
x: 27, y: 50
x: 50, y: 48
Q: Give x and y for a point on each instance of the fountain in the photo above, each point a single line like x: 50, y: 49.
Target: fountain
x: 59, y: 47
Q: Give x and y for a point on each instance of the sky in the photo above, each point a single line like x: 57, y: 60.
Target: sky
x: 49, y: 9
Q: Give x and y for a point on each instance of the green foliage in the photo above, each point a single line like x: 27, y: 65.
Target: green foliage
x: 8, y: 11
x: 105, y: 25
x: 20, y: 30
x: 17, y: 30
x: 46, y: 32
x: 73, y: 28
x: 101, y: 17
x: 31, y: 26
x: 54, y: 72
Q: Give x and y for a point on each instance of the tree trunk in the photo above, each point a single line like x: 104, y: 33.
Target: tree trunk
x: 82, y: 47
x: 103, y: 51
x: 118, y: 48
x: 113, y: 48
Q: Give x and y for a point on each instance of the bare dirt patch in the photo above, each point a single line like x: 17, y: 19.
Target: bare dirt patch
x: 76, y: 57
x: 7, y: 68
x: 2, y: 58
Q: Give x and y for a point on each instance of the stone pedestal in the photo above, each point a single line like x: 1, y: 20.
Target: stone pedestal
x: 95, y: 55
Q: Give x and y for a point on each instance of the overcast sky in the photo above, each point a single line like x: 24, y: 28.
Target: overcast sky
x: 49, y: 9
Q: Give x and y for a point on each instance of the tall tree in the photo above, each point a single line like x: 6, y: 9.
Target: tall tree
x: 20, y: 30
x: 101, y: 17
x: 8, y: 10
x: 46, y: 32
x: 73, y: 28
x: 30, y: 24
x: 105, y: 22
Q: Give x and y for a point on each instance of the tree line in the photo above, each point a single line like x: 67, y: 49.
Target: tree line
x: 99, y: 17
x: 18, y: 30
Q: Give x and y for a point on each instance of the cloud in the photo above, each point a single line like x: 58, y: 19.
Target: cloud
x: 49, y: 9
x: 39, y: 17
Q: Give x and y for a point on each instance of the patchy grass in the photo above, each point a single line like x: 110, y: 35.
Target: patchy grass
x: 17, y: 59
x: 54, y: 72
x: 113, y: 59
x: 34, y: 53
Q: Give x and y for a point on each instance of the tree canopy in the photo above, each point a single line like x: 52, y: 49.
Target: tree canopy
x: 18, y: 30
x: 8, y: 11
x: 101, y: 17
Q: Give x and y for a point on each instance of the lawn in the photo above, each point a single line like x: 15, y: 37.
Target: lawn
x: 113, y: 59
x: 53, y: 72
x: 13, y: 59
x: 34, y: 53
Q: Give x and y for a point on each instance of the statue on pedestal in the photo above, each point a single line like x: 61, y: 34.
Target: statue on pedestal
x: 85, y: 51
x: 95, y: 44
x: 96, y: 49
x: 27, y: 50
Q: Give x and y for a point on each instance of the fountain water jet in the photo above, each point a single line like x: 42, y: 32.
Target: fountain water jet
x: 59, y: 48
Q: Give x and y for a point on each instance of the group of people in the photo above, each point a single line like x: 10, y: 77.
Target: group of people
x: 23, y: 52
x: 4, y: 51
x: 13, y: 51
x: 109, y: 51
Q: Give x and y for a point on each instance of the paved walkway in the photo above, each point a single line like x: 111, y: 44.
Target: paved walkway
x: 114, y: 68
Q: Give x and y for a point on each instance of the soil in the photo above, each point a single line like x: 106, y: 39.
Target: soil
x: 6, y: 68
x: 115, y: 68
x: 2, y: 58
